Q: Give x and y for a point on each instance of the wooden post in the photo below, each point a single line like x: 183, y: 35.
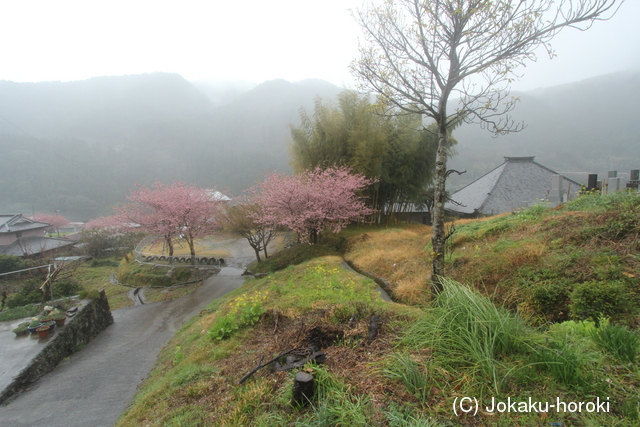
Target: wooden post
x: 303, y: 388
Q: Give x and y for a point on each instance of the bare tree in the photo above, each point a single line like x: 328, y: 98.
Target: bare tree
x: 241, y: 219
x: 421, y: 54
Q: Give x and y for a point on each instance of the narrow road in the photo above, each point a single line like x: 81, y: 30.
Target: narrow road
x: 94, y: 386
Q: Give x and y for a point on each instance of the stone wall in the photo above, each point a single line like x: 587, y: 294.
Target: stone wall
x: 78, y: 331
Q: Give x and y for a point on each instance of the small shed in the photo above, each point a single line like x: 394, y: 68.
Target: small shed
x: 517, y: 183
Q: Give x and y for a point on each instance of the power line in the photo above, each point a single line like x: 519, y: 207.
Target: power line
x: 47, y: 146
x: 26, y: 269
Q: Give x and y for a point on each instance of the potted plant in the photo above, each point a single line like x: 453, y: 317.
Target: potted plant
x: 58, y: 316
x: 34, y: 324
x: 43, y: 331
x: 50, y: 323
x: 21, y: 329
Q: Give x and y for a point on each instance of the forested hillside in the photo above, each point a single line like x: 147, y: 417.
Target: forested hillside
x: 78, y: 147
x: 591, y: 126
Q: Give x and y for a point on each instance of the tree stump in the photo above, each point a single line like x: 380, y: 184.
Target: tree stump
x: 303, y: 389
x: 374, y: 326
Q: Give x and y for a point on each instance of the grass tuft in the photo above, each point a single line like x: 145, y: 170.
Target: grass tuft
x: 468, y: 329
x: 619, y: 341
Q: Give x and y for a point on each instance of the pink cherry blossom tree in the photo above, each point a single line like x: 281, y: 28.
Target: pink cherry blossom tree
x: 174, y: 210
x: 114, y: 224
x: 313, y: 201
x: 56, y: 221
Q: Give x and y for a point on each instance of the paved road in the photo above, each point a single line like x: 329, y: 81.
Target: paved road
x: 94, y: 386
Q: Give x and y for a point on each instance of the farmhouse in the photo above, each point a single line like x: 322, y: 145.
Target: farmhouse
x: 24, y: 237
x: 517, y: 183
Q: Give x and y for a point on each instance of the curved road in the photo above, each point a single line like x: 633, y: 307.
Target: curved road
x: 94, y: 386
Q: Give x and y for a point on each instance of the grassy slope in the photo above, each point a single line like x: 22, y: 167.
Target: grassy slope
x: 96, y: 277
x: 424, y: 358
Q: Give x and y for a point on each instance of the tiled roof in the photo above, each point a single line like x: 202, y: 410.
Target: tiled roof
x: 32, y: 245
x: 11, y: 223
x: 516, y: 183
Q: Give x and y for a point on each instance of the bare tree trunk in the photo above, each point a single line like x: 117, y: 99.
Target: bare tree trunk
x: 257, y: 251
x: 170, y: 245
x: 438, y: 237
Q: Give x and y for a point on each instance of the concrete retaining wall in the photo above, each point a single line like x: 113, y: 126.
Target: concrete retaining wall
x: 78, y: 331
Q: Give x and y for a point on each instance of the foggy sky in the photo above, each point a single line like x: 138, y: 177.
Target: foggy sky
x: 252, y: 40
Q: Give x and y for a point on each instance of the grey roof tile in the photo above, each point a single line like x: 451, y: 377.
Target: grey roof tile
x: 516, y: 183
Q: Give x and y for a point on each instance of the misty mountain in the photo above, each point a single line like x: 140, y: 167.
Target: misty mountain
x: 222, y: 92
x: 98, y: 109
x: 590, y: 126
x: 79, y: 147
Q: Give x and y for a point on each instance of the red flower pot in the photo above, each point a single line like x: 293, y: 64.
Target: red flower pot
x: 43, y: 331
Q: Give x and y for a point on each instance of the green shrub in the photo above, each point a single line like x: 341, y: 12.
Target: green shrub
x: 250, y: 314
x: 66, y: 287
x: 594, y: 300
x: 618, y: 340
x: 223, y: 328
x: 21, y: 328
x: 11, y: 263
x: 29, y: 293
x: 551, y: 298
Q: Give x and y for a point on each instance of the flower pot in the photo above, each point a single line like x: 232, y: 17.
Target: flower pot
x: 43, y: 331
x: 33, y: 329
x: 60, y: 322
x: 51, y: 324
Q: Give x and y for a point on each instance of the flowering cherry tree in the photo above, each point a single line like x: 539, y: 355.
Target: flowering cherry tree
x: 114, y: 224
x: 170, y: 211
x: 56, y: 221
x: 313, y: 201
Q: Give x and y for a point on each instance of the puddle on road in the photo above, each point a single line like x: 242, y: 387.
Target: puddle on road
x: 230, y: 271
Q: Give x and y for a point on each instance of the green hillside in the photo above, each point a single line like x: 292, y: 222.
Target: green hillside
x: 499, y: 332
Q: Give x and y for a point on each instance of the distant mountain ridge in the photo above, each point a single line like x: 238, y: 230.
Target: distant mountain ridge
x: 78, y: 147
x: 590, y: 126
x: 100, y: 107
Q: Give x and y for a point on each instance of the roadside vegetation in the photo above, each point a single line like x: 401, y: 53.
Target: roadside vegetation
x: 87, y: 277
x: 540, y: 304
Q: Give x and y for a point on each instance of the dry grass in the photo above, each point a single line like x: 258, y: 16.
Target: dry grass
x: 400, y: 256
x: 397, y: 255
x: 225, y: 403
